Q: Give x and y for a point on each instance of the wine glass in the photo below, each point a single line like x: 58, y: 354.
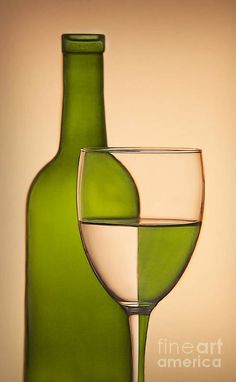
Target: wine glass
x: 140, y: 213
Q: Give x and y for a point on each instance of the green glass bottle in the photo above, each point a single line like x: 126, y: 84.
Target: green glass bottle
x: 74, y: 331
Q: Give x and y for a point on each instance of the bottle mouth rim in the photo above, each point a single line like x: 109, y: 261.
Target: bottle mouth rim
x: 83, y: 43
x: 147, y: 150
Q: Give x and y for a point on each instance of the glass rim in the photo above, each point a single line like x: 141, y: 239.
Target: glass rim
x: 148, y: 150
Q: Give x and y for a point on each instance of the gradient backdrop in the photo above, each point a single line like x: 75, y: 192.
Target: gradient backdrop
x: 169, y: 81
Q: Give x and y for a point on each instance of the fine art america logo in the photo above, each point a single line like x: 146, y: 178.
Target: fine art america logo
x: 187, y: 354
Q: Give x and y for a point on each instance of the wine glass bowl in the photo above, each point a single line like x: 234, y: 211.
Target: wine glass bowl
x: 140, y: 213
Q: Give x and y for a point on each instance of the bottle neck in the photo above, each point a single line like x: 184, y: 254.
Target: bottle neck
x: 83, y: 114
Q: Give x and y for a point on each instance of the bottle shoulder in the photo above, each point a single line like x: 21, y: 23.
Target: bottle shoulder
x: 44, y: 172
x: 53, y: 179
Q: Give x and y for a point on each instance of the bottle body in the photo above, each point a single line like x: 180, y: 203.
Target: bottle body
x: 74, y: 330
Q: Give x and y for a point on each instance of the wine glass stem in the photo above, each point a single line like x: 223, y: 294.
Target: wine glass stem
x: 138, y: 331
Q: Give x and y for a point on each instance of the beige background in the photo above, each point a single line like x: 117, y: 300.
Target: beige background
x: 169, y: 81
